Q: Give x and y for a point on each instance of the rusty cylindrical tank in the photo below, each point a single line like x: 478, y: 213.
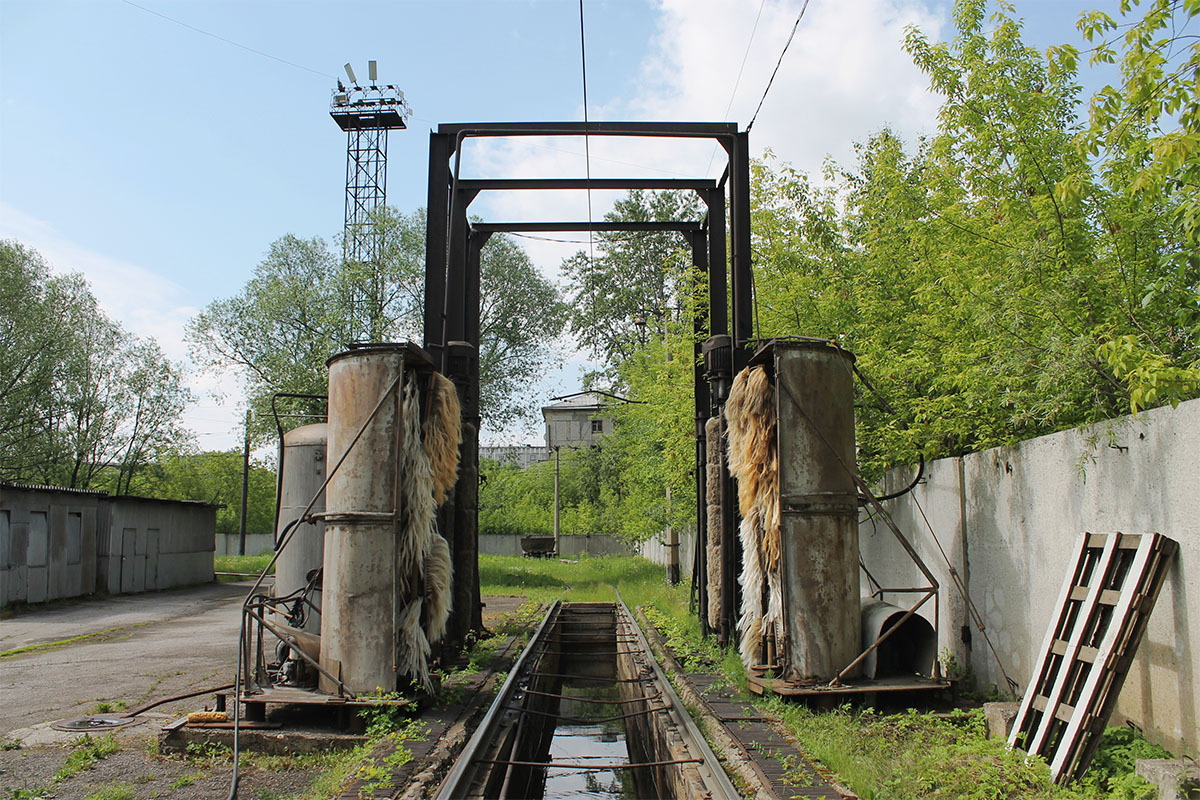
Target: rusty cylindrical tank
x: 357, y: 618
x: 818, y: 508
x: 303, y: 471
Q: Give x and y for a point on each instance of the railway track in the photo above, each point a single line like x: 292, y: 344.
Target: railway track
x: 587, y: 712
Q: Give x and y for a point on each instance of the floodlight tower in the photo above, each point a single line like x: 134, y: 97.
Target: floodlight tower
x: 366, y: 114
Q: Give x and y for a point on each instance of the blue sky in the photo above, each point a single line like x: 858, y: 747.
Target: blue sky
x: 161, y: 162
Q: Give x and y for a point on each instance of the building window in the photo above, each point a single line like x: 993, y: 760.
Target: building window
x: 597, y: 426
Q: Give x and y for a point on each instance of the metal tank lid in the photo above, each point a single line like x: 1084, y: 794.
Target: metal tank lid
x: 315, y: 433
x: 763, y: 355
x: 413, y: 353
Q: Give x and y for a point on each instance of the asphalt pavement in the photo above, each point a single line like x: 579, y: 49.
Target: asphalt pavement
x: 132, y: 649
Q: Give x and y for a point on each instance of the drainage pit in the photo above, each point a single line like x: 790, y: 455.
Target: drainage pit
x: 586, y: 713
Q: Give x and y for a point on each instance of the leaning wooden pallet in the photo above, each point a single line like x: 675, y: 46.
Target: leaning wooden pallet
x: 1101, y: 614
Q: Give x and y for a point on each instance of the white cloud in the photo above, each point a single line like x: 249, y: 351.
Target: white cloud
x: 146, y: 304
x: 844, y: 77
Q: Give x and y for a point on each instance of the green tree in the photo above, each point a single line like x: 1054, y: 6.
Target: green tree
x: 214, y: 477
x: 34, y: 341
x: 296, y: 311
x: 1144, y: 137
x: 84, y: 404
x: 520, y: 314
x: 636, y: 276
x: 978, y: 296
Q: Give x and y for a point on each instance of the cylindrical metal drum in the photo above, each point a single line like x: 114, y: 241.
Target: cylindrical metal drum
x: 818, y: 508
x: 357, y: 619
x: 302, y: 470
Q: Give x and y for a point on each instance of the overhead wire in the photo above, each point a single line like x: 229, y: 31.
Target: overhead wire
x: 587, y: 153
x: 737, y: 81
x: 774, y: 72
x: 228, y: 41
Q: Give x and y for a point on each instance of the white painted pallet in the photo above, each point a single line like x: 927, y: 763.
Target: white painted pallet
x: 1110, y: 589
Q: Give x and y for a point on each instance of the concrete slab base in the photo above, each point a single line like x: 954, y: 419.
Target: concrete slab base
x: 279, y: 742
x: 1000, y: 718
x: 1176, y: 779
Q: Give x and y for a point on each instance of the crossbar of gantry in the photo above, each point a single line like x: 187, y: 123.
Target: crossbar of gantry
x: 452, y: 310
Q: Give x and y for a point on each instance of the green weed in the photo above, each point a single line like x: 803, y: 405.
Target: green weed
x: 86, y: 753
x: 118, y: 791
x: 106, y: 707
x: 1111, y: 773
x: 27, y: 793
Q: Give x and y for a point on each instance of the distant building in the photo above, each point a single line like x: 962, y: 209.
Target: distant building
x: 520, y: 455
x: 578, y: 420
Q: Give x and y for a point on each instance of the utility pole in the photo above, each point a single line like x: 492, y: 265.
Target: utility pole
x: 672, y: 534
x: 245, y: 487
x: 556, y: 499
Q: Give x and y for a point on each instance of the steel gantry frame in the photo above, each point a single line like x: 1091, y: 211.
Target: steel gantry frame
x: 452, y: 280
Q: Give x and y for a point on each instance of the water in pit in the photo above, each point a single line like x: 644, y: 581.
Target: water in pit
x: 598, y: 741
x: 586, y: 724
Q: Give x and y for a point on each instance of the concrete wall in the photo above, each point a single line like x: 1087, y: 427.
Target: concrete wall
x: 256, y: 544
x: 1008, y: 519
x: 522, y: 455
x: 655, y: 550
x: 570, y: 546
x: 57, y: 543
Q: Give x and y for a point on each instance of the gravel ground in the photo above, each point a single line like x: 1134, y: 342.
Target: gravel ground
x: 144, y: 774
x: 142, y: 648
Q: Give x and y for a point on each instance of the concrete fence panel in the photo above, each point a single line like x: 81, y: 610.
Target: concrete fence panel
x: 1008, y: 519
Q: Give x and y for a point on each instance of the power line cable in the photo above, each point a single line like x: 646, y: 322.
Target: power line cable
x: 737, y: 82
x: 774, y: 72
x: 587, y: 154
x: 229, y: 41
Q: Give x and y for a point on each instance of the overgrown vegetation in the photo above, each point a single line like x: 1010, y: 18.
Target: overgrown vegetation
x: 893, y: 756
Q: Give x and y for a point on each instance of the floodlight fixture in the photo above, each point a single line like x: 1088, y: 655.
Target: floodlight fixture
x: 372, y: 72
x: 350, y: 73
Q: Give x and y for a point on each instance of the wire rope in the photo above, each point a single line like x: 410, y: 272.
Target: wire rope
x: 228, y: 41
x: 774, y: 72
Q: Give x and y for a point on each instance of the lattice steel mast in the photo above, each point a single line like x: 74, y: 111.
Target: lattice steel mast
x: 366, y: 114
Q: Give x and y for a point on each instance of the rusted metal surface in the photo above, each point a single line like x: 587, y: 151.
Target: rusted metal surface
x: 358, y: 615
x: 818, y: 509
x: 302, y: 473
x: 911, y: 650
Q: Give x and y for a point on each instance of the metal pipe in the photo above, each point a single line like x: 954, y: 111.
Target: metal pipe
x: 854, y: 664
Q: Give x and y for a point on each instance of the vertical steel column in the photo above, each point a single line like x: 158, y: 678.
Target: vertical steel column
x: 718, y: 299
x: 741, y: 276
x: 455, y: 311
x: 437, y: 221
x: 699, y: 244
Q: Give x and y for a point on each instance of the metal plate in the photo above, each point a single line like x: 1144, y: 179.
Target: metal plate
x: 95, y: 722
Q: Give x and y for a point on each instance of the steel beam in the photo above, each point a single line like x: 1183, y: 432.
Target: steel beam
x: 678, y: 130
x: 563, y: 184
x: 572, y: 227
